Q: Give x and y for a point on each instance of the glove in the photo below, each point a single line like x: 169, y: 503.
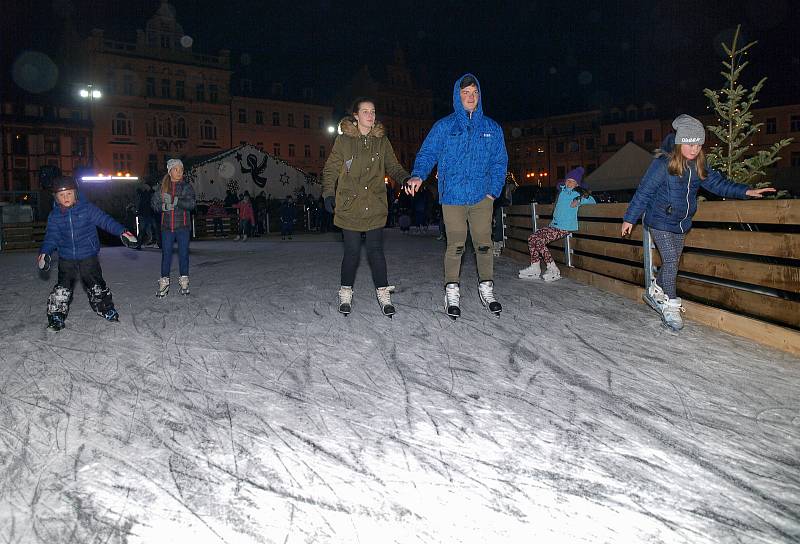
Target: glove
x: 330, y: 203
x: 43, y: 262
x: 167, y: 205
x: 129, y: 240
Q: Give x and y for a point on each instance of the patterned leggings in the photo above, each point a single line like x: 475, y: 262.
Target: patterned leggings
x: 670, y: 247
x: 537, y: 243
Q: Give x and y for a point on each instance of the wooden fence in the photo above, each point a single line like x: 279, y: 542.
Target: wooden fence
x: 739, y: 271
x: 22, y: 235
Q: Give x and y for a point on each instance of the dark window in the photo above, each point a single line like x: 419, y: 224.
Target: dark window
x: 612, y: 138
x: 242, y: 115
x: 127, y: 85
x: 121, y: 125
x: 648, y: 135
x: 52, y: 145
x: 306, y: 121
x: 290, y: 120
x: 200, y: 93
x: 320, y: 123
x: 165, y: 88
x: 628, y: 135
x: 276, y: 119
x: 291, y: 150
x: 152, y: 164
x: 180, y: 128
x: 559, y: 147
x: 165, y: 42
x: 574, y: 147
x: 150, y: 86
x: 307, y: 151
x: 322, y: 152
x: 79, y: 146
x: 259, y: 117
x: 589, y: 144
x: 213, y: 93
x: 276, y: 149
x: 246, y: 85
x: 208, y: 131
x: 20, y: 144
x: 561, y: 171
x: 772, y: 125
x: 180, y: 90
x: 794, y: 123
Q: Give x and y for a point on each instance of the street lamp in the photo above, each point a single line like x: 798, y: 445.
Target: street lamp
x: 91, y: 94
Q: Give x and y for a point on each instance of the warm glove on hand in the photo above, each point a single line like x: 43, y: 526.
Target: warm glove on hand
x: 43, y: 262
x: 330, y: 203
x: 168, y: 204
x: 129, y: 240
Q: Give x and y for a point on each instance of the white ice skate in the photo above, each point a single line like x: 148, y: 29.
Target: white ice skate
x: 163, y: 287
x: 655, y: 297
x: 671, y: 315
x: 345, y: 300
x: 486, y: 293
x: 452, y: 299
x: 532, y: 272
x: 385, y: 300
x: 184, y: 283
x: 552, y: 273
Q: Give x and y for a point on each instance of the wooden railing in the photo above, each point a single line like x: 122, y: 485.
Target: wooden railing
x: 739, y: 271
x: 22, y: 235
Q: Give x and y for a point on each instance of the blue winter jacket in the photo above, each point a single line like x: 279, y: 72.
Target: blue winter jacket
x: 565, y: 217
x: 73, y: 231
x: 669, y: 202
x: 470, y: 151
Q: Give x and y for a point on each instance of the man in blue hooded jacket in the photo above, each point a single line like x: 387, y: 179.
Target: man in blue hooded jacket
x: 470, y: 152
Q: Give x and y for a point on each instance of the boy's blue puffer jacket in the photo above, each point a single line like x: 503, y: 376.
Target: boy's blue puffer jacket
x: 669, y: 202
x: 470, y: 152
x: 73, y: 231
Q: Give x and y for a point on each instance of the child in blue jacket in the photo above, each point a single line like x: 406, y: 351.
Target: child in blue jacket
x: 667, y: 196
x: 572, y: 194
x: 72, y: 231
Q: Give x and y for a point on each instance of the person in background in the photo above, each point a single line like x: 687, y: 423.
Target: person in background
x: 246, y: 216
x: 176, y: 200
x: 288, y: 214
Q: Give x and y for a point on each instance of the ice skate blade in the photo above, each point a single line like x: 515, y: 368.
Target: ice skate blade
x: 650, y: 302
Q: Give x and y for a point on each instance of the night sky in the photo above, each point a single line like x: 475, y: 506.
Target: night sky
x: 533, y: 58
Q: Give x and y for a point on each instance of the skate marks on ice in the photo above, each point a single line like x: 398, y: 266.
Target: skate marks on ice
x: 259, y: 414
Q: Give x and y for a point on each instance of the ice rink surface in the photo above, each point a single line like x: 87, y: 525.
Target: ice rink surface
x: 251, y: 411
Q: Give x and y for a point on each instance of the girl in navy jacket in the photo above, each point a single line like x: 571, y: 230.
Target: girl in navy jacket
x: 667, y: 196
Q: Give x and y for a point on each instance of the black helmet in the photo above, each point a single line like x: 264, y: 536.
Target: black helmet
x: 63, y: 183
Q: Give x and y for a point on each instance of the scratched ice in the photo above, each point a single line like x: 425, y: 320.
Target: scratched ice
x: 252, y: 412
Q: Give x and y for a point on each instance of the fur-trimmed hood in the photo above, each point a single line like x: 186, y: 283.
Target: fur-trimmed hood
x: 349, y: 128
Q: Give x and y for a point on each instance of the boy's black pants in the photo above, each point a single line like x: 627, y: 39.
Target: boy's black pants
x: 90, y: 274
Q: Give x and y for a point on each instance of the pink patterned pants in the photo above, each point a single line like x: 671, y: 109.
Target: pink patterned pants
x: 537, y: 243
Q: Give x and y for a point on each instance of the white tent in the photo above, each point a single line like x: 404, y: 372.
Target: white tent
x: 247, y: 168
x: 623, y: 170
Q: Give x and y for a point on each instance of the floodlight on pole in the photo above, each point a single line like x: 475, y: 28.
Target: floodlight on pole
x: 91, y: 94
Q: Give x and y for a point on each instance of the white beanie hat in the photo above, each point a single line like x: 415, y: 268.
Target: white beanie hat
x: 172, y: 163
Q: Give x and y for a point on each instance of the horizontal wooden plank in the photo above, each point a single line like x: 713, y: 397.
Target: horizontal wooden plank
x: 628, y: 252
x: 776, y: 276
x: 518, y: 233
x: 781, y: 212
x: 630, y: 273
x: 519, y: 209
x: 524, y: 222
x: 775, y: 336
x: 611, y: 211
x: 741, y: 301
x: 516, y: 245
x: 771, y: 244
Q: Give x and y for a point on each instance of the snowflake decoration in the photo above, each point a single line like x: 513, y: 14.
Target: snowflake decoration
x: 285, y: 179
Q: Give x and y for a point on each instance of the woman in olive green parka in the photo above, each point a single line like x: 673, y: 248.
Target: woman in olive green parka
x: 355, y: 192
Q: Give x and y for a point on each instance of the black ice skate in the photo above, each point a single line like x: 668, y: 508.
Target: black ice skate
x: 55, y: 322
x: 183, y: 281
x: 486, y: 292
x: 452, y: 298
x: 110, y: 315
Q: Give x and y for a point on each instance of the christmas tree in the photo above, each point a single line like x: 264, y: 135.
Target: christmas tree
x: 734, y: 156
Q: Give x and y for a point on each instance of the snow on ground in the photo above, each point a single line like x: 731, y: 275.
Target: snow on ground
x: 252, y: 412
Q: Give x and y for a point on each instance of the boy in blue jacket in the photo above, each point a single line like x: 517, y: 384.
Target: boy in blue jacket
x: 667, y: 196
x: 572, y: 194
x: 72, y: 231
x: 470, y: 153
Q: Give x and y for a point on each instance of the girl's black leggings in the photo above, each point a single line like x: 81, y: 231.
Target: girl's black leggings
x: 375, y: 257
